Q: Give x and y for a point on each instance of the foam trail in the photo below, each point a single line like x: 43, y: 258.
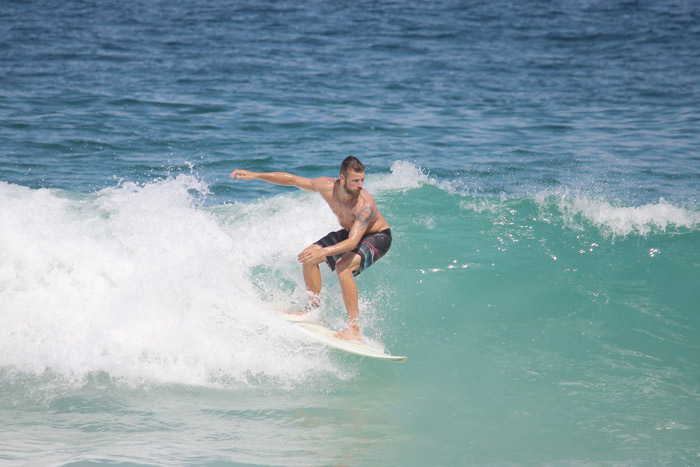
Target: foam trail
x: 143, y: 283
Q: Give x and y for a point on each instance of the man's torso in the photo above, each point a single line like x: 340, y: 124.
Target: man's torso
x: 346, y: 213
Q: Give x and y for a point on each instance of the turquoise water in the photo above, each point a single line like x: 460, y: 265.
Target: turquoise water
x: 537, y: 163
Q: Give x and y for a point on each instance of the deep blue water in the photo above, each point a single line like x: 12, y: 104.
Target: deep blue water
x: 538, y: 163
x: 537, y: 94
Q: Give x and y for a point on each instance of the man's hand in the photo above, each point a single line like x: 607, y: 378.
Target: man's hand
x: 243, y: 175
x: 313, y: 254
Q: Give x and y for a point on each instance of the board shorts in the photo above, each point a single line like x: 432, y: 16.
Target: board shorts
x: 371, y: 248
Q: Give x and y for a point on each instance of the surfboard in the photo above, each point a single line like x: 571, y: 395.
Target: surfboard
x: 327, y: 337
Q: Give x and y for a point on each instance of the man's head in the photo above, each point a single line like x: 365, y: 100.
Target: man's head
x: 352, y: 175
x: 351, y: 163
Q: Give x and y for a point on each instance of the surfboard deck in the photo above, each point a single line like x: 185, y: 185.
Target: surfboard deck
x: 327, y: 337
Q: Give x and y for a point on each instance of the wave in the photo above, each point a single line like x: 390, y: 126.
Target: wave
x: 572, y: 209
x: 142, y: 282
x: 620, y: 220
x: 145, y: 282
x: 578, y: 211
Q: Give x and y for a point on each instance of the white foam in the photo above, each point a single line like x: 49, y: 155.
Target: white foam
x: 142, y: 282
x: 404, y: 176
x: 623, y: 220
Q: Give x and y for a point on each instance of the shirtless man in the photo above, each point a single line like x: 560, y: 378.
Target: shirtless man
x: 364, y: 239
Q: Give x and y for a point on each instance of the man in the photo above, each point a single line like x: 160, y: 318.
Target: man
x: 364, y: 239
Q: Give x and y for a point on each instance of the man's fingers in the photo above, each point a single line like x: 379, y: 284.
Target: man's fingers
x: 305, y: 256
x: 239, y: 174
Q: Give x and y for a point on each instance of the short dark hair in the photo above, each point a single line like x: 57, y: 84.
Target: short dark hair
x: 351, y: 163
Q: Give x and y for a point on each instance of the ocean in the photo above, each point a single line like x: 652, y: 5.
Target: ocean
x: 538, y: 163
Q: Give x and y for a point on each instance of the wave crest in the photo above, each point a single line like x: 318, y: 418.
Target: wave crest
x: 619, y: 220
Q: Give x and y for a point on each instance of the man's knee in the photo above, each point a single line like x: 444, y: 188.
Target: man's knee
x: 308, y: 268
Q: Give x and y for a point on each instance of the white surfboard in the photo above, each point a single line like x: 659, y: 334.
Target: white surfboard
x: 327, y: 337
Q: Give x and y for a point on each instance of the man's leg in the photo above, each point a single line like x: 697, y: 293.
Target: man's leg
x: 312, y: 279
x: 349, y: 263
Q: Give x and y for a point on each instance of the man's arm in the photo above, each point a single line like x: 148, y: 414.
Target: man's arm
x: 277, y: 178
x: 357, y: 231
x: 359, y: 227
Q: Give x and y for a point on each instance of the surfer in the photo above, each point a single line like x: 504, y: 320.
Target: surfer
x: 364, y: 238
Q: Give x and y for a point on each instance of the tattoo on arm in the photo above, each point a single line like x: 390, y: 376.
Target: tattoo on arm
x: 365, y: 216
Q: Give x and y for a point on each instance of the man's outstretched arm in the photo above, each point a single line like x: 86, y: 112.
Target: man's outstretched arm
x: 277, y: 178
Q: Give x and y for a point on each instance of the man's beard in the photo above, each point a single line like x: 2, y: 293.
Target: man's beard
x: 354, y: 194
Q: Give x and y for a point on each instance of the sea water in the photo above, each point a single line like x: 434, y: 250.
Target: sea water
x: 538, y: 164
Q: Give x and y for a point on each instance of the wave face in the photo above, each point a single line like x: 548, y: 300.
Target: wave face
x: 583, y: 308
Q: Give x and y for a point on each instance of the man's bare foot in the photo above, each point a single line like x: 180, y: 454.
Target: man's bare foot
x: 309, y: 308
x: 299, y: 313
x: 308, y: 313
x: 349, y: 334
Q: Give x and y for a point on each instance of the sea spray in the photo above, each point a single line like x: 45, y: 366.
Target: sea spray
x: 140, y: 282
x: 145, y: 283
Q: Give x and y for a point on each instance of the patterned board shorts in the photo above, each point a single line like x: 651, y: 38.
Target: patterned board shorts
x: 371, y: 247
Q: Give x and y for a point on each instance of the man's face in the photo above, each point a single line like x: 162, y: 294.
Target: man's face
x: 352, y: 182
